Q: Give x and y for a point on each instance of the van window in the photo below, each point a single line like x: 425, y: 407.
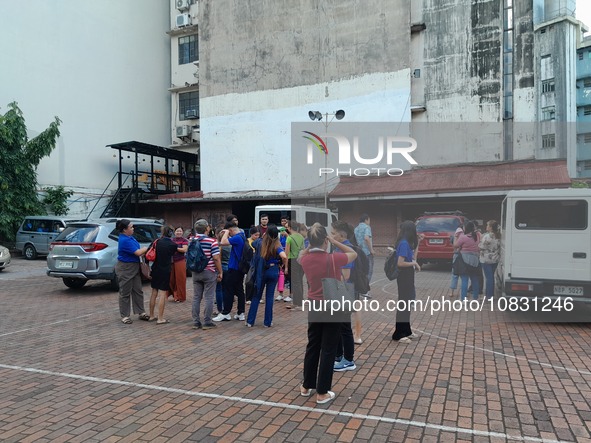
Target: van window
x: 316, y: 217
x: 275, y: 216
x: 551, y: 214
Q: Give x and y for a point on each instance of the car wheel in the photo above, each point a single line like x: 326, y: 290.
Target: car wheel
x: 30, y: 252
x: 114, y: 284
x: 74, y: 283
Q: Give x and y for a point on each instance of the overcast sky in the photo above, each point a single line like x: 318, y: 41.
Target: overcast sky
x: 583, y: 12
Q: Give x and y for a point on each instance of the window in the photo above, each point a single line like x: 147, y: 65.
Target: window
x: 549, y: 113
x: 551, y: 214
x: 580, y: 56
x: 584, y: 138
x: 188, y: 49
x: 587, y: 82
x: 316, y: 217
x: 586, y: 110
x: 548, y: 86
x: 549, y: 141
x: 188, y: 101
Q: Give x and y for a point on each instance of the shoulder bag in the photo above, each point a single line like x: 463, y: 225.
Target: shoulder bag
x: 338, y: 290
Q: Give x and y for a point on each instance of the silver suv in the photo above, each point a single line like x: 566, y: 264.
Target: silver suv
x: 88, y: 250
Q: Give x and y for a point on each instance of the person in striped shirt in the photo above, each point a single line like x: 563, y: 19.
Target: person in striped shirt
x: 204, y: 282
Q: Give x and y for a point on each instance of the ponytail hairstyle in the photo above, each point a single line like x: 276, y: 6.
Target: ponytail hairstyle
x: 470, y: 230
x: 270, y: 243
x: 317, y: 235
x: 495, y: 228
x: 167, y: 231
x: 122, y: 224
x: 408, y: 232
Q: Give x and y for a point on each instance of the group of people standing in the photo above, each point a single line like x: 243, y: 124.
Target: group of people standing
x: 481, y: 253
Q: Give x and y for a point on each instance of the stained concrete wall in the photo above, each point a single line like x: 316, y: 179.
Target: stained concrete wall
x: 266, y: 63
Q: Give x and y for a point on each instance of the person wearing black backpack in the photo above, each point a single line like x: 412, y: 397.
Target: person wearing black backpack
x: 206, y: 276
x: 406, y: 245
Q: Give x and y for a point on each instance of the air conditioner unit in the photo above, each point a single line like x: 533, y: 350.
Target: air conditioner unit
x: 183, y: 5
x: 183, y: 131
x: 191, y: 113
x: 183, y: 20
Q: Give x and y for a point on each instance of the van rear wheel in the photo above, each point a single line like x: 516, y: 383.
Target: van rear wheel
x: 74, y: 283
x: 30, y: 252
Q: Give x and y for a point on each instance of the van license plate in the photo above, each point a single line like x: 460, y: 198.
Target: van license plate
x: 64, y: 264
x: 568, y: 290
x: 435, y: 241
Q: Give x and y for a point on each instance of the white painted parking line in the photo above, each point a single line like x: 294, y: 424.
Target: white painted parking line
x: 472, y: 432
x: 490, y: 351
x: 50, y: 324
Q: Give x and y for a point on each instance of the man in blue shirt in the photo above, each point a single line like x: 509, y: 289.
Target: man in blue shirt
x: 234, y: 279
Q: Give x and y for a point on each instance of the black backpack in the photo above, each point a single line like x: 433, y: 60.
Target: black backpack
x: 245, y: 257
x: 360, y: 271
x: 196, y: 259
x: 391, y: 266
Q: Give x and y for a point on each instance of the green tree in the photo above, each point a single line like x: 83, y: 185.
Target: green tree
x: 19, y: 158
x: 56, y: 199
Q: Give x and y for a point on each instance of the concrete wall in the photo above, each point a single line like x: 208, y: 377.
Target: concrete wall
x: 266, y: 64
x: 101, y: 67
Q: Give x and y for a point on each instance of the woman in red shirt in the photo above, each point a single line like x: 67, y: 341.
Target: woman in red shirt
x: 323, y: 334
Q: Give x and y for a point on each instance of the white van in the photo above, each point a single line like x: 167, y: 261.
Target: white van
x: 547, y: 243
x: 302, y: 214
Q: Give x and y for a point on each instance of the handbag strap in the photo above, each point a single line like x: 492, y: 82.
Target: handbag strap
x: 334, y: 269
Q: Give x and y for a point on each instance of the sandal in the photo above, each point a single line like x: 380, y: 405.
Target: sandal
x: 162, y: 322
x: 305, y: 392
x: 144, y: 317
x: 126, y: 320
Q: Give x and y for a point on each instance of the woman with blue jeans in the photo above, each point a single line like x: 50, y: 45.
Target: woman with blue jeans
x: 268, y: 257
x: 490, y: 254
x: 467, y: 247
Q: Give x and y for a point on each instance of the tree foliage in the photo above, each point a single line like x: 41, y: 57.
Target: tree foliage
x: 56, y: 199
x: 19, y: 158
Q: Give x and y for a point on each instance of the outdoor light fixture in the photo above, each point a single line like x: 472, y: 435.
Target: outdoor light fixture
x: 316, y: 115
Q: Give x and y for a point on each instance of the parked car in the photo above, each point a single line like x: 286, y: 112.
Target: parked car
x: 88, y: 250
x: 438, y: 229
x: 37, y: 232
x: 4, y: 257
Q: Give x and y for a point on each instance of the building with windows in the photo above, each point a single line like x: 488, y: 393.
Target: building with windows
x: 184, y: 78
x: 584, y: 109
x: 473, y: 82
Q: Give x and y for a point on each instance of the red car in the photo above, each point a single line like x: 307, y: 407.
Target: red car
x: 438, y: 229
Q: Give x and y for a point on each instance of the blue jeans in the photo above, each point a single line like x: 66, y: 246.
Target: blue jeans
x: 475, y: 288
x: 370, y: 271
x: 454, y: 277
x: 219, y: 292
x: 489, y: 273
x: 270, y: 278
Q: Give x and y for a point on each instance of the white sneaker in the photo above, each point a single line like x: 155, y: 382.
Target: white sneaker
x: 279, y: 298
x: 404, y: 340
x: 414, y: 336
x: 222, y: 317
x: 238, y: 317
x: 287, y: 299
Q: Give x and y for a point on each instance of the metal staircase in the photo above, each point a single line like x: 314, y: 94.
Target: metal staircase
x: 120, y: 203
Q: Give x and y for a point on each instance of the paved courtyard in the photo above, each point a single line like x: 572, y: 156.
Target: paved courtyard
x: 72, y: 372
